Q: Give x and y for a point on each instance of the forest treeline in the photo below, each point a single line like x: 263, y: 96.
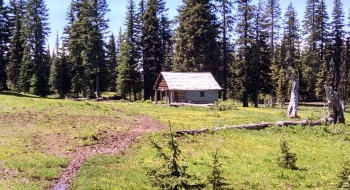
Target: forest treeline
x: 251, y: 49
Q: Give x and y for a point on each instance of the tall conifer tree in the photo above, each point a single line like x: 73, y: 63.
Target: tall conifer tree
x: 273, y: 18
x: 196, y: 48
x: 151, y: 51
x: 337, y: 41
x: 16, y: 53
x: 4, y: 41
x: 224, y: 9
x: 261, y: 54
x: 311, y: 61
x: 243, y: 65
x: 112, y: 63
x: 36, y: 31
x: 125, y: 70
x: 323, y: 48
x: 129, y: 78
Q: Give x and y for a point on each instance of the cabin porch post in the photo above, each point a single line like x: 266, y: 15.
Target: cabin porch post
x: 171, y: 96
x: 166, y: 97
x: 155, y: 97
x: 161, y: 96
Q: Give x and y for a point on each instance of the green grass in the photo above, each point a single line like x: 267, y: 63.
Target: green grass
x: 31, y: 127
x: 249, y: 158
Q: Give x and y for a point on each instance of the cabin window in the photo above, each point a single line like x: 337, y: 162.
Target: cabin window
x: 201, y: 94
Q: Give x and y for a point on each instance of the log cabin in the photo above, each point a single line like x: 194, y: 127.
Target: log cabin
x: 194, y: 88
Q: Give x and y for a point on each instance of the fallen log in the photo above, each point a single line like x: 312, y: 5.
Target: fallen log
x: 256, y: 126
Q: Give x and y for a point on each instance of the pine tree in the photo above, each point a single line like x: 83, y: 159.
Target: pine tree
x: 311, y: 61
x: 343, y: 82
x: 151, y: 51
x: 291, y: 45
x: 124, y: 80
x: 273, y: 17
x: 291, y: 37
x: 26, y: 70
x: 196, y: 48
x: 171, y: 175
x: 4, y: 40
x: 36, y: 31
x: 112, y: 63
x: 324, y: 48
x: 60, y: 80
x: 278, y: 74
x: 344, y: 175
x: 224, y: 8
x: 216, y: 180
x: 16, y: 53
x: 86, y: 30
x: 322, y: 20
x: 288, y: 159
x: 131, y: 38
x: 321, y: 80
x: 243, y: 65
x: 72, y: 40
x: 165, y: 33
x: 347, y: 52
x: 261, y: 54
x: 337, y: 40
x: 100, y: 24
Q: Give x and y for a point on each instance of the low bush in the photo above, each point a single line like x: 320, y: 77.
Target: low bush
x: 224, y: 105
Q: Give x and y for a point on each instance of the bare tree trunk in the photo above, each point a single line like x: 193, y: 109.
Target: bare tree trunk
x: 245, y: 99
x: 92, y: 90
x: 335, y: 110
x: 294, y: 100
x: 343, y: 105
x: 281, y: 103
x: 97, y: 85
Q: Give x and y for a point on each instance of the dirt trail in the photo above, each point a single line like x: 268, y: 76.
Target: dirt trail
x: 111, y: 145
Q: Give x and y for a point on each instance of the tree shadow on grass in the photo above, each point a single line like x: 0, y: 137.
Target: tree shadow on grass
x: 8, y: 93
x: 296, y: 168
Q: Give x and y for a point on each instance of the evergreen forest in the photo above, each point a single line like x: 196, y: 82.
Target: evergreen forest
x: 252, y: 50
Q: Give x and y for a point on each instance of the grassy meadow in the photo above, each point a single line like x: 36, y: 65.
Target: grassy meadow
x: 35, y: 133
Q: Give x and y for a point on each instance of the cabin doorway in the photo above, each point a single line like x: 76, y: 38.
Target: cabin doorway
x: 179, y: 96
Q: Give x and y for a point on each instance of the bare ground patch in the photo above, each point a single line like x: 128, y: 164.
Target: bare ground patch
x: 53, y: 134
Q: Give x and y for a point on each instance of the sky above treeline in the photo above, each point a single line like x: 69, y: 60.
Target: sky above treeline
x: 58, y: 9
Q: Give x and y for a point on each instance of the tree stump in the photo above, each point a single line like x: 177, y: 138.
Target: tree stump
x: 335, y: 110
x: 294, y: 100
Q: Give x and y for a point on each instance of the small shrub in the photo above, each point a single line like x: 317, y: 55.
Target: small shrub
x: 148, y: 102
x: 288, y: 159
x: 344, y: 175
x: 224, y: 105
x: 171, y: 175
x: 215, y: 178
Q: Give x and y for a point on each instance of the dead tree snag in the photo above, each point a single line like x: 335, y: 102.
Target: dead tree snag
x: 294, y: 100
x: 335, y: 110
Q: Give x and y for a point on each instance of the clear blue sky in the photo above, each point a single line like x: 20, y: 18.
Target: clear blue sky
x: 58, y: 9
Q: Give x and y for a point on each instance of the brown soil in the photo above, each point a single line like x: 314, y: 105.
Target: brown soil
x: 118, y: 134
x: 110, y: 144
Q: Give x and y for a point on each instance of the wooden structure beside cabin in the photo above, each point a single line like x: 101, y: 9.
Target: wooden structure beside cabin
x: 195, y: 88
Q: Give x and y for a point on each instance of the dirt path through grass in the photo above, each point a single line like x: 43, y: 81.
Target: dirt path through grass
x: 112, y: 144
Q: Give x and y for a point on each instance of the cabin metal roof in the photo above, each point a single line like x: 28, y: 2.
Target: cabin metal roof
x: 186, y: 81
